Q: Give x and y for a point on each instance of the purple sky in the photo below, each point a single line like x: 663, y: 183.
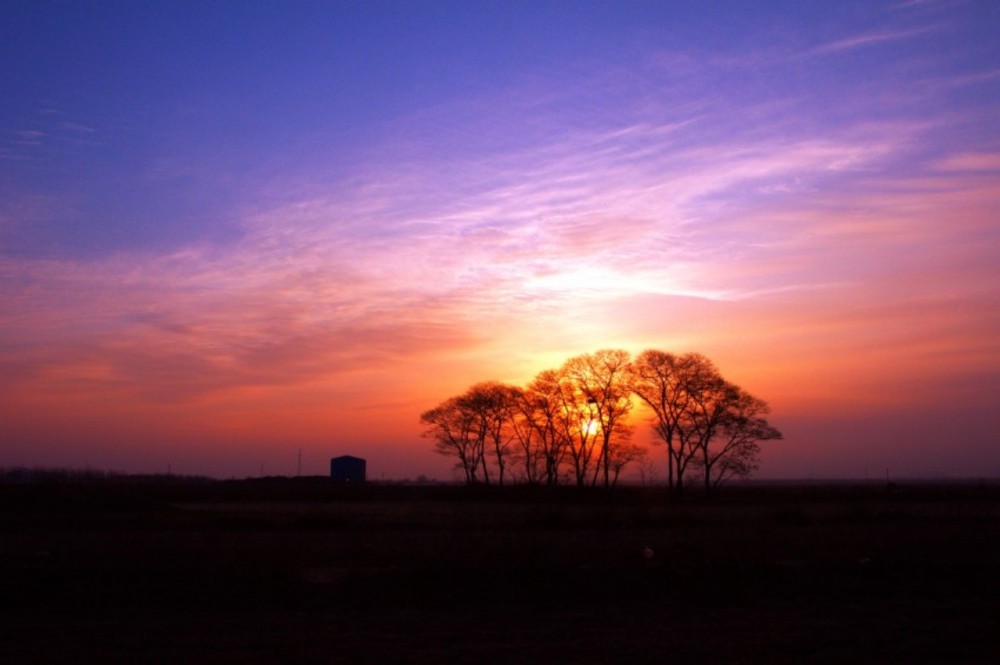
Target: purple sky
x: 230, y: 231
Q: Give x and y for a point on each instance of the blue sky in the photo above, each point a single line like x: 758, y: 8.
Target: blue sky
x: 152, y: 122
x: 245, y: 208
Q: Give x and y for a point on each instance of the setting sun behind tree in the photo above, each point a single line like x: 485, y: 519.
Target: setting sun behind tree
x: 572, y: 423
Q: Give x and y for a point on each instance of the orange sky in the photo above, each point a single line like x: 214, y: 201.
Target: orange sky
x: 212, y: 283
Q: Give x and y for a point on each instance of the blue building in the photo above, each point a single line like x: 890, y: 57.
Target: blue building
x: 348, y: 469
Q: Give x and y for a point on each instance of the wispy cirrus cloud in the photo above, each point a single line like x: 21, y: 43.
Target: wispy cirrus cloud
x: 867, y: 39
x: 639, y: 206
x: 421, y: 259
x: 970, y: 161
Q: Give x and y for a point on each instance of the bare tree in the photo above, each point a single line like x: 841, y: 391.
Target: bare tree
x: 452, y: 426
x: 602, y: 382
x: 667, y: 384
x: 544, y: 408
x: 474, y: 425
x: 574, y: 419
x: 496, y: 404
x: 731, y: 423
x: 578, y: 423
x: 528, y: 456
x: 624, y: 454
x: 648, y: 471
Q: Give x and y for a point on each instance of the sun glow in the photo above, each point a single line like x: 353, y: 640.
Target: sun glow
x: 831, y: 248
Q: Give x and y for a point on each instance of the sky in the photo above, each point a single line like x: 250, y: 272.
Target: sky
x: 231, y: 232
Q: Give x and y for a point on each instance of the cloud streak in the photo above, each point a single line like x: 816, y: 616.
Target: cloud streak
x: 822, y: 247
x: 321, y: 286
x: 866, y: 40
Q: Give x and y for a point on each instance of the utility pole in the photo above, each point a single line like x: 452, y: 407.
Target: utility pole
x: 298, y: 470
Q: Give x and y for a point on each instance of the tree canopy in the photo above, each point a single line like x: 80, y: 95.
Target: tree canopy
x: 571, y: 424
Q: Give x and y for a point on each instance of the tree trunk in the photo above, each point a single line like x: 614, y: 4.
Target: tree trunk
x: 670, y: 470
x: 708, y: 474
x: 679, y: 486
x: 605, y: 455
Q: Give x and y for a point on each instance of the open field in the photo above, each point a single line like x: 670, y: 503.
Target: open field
x: 303, y: 571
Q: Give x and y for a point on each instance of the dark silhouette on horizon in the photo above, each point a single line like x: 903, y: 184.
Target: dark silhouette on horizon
x: 571, y: 424
x: 348, y: 469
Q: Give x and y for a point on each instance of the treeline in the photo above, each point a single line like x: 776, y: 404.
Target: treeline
x: 27, y: 475
x: 571, y: 424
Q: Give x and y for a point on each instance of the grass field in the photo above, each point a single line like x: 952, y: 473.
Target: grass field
x: 299, y: 570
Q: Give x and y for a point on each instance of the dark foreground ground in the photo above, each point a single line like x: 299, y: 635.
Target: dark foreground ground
x: 289, y: 571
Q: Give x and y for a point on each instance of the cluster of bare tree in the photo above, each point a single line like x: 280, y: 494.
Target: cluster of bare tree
x: 571, y: 424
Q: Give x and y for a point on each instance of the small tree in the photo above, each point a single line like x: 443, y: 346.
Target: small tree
x: 623, y: 455
x: 452, y: 426
x: 475, y: 427
x: 732, y: 448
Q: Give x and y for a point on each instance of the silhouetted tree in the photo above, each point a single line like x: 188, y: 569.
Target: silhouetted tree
x: 579, y: 424
x: 544, y: 408
x: 574, y: 419
x: 527, y: 455
x: 495, y: 404
x: 622, y: 455
x: 666, y: 383
x: 453, y: 428
x: 475, y: 426
x: 730, y: 423
x: 602, y: 381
